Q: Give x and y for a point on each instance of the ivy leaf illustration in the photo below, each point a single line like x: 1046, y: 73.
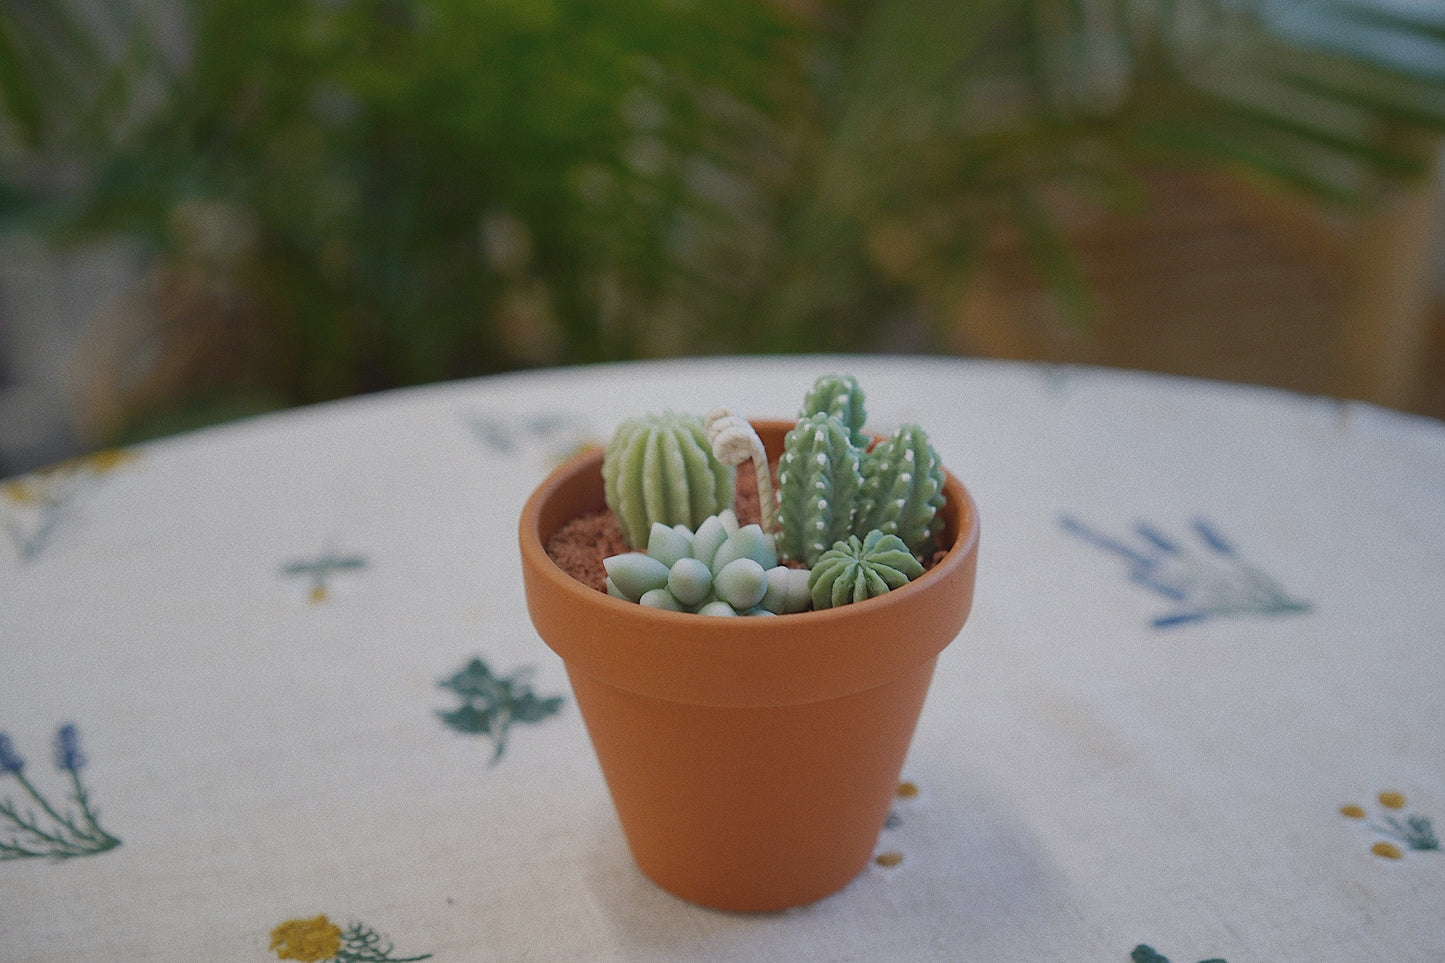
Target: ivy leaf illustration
x: 529, y: 708
x: 469, y: 719
x: 491, y: 704
x: 1146, y: 954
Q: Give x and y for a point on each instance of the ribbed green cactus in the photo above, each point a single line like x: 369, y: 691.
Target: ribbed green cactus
x: 859, y: 569
x: 902, y: 490
x: 660, y: 468
x: 819, y: 479
x: 841, y: 397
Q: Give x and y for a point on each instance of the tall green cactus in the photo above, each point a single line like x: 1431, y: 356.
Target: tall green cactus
x: 839, y: 396
x: 660, y: 468
x: 819, y: 478
x: 902, y: 490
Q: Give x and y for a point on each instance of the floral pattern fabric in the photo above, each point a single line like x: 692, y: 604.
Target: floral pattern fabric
x: 1194, y: 714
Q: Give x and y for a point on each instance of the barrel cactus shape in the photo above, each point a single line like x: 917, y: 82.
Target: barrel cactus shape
x: 858, y: 569
x: 902, y: 490
x: 660, y: 468
x: 839, y: 396
x: 819, y: 479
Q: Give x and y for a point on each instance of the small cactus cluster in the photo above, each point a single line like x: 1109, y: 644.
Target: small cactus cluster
x: 831, y: 486
x: 721, y: 569
x: 853, y: 520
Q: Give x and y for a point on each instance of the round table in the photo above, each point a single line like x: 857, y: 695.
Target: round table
x: 269, y: 691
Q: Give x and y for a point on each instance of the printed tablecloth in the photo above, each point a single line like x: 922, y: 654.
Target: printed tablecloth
x: 269, y: 691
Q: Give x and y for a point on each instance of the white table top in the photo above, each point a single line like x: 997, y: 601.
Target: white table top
x: 1209, y: 621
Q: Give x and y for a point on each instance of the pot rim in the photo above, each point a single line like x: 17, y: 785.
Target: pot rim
x: 683, y: 656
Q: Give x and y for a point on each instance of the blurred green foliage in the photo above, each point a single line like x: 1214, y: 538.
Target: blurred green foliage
x: 400, y: 191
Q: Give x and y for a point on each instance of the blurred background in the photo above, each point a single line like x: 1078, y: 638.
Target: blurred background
x: 215, y: 208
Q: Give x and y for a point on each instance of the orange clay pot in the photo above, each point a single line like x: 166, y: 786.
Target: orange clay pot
x: 752, y: 761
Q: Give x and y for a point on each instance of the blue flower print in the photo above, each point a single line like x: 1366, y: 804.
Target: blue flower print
x: 1204, y: 580
x: 51, y: 830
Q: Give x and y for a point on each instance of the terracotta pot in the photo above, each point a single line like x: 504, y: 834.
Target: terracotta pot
x: 752, y: 761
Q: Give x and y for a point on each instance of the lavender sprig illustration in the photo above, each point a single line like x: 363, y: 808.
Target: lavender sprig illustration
x: 49, y: 831
x: 1204, y: 581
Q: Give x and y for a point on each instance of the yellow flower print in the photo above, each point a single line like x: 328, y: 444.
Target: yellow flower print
x: 44, y: 496
x: 888, y: 859
x: 318, y: 571
x: 107, y: 459
x: 22, y: 491
x: 1392, y: 800
x: 51, y: 482
x: 310, y: 940
x: 1409, y: 832
x: 317, y: 940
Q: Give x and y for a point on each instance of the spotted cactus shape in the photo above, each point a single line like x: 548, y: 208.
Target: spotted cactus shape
x: 819, y: 478
x: 841, y: 397
x: 858, y: 569
x: 660, y: 468
x: 903, y: 490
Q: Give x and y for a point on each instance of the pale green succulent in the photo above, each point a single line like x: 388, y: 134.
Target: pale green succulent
x: 722, y: 569
x: 859, y: 569
x: 819, y: 479
x: 660, y: 468
x: 903, y: 490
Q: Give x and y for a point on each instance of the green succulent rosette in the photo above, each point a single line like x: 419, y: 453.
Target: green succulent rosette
x: 857, y: 569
